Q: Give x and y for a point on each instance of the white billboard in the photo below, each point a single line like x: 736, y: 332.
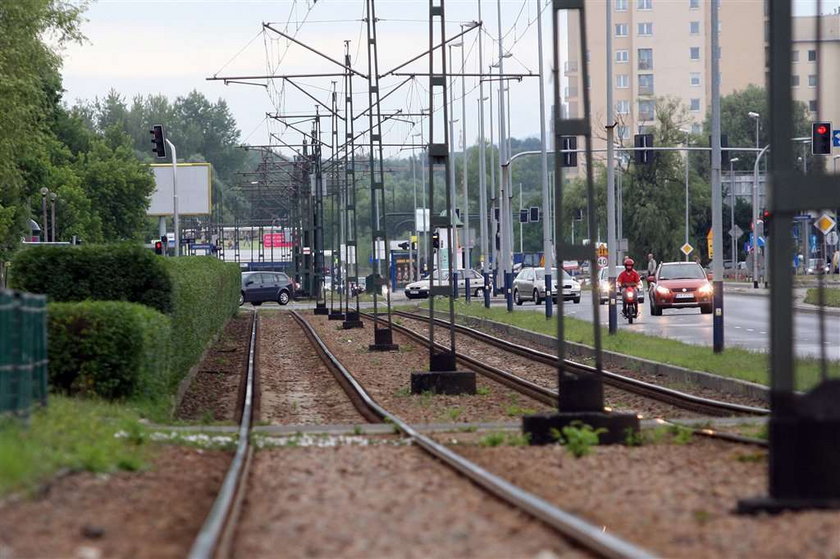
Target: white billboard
x: 193, y: 189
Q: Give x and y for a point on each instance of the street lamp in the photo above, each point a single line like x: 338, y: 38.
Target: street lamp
x: 687, y: 141
x: 53, y: 197
x: 757, y: 118
x: 732, y: 214
x: 44, y: 192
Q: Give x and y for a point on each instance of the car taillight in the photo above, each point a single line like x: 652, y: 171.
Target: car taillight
x: 630, y: 294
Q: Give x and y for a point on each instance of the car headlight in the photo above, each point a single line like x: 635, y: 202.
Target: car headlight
x: 662, y: 290
x: 604, y: 287
x: 706, y: 289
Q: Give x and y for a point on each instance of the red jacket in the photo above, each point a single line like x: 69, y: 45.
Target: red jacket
x: 628, y: 278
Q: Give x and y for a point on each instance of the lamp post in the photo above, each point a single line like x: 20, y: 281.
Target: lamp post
x: 757, y: 118
x: 687, y: 141
x: 53, y: 197
x: 45, y: 231
x: 451, y: 204
x: 734, y: 244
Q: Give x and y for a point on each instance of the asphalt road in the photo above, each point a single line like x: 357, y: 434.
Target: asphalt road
x: 746, y: 324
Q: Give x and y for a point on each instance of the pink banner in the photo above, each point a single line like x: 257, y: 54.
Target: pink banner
x: 275, y: 240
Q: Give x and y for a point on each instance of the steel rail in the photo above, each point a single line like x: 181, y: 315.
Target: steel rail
x: 668, y: 395
x: 588, y: 535
x: 207, y: 542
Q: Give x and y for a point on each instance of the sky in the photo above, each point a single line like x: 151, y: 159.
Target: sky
x: 141, y: 47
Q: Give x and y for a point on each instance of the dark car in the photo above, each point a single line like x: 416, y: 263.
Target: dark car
x: 258, y: 287
x: 680, y: 285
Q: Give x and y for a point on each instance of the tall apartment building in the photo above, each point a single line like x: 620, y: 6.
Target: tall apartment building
x: 806, y: 83
x: 661, y: 48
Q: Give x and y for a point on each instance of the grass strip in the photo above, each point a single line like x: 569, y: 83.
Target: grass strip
x: 734, y: 362
x: 832, y: 296
x: 70, y: 434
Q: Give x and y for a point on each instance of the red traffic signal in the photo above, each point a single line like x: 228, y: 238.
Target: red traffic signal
x: 158, y: 247
x: 821, y: 138
x: 158, y: 140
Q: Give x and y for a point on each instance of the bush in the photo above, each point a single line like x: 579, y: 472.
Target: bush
x: 119, y: 272
x: 205, y: 294
x: 110, y: 349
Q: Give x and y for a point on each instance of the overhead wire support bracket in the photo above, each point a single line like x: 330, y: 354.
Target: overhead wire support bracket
x: 476, y: 25
x: 307, y: 47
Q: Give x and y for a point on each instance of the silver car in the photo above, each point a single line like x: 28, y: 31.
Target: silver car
x: 529, y: 284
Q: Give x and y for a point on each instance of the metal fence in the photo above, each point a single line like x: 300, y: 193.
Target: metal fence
x: 23, y: 352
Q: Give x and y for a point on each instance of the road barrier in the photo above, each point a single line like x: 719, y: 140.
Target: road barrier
x: 23, y: 352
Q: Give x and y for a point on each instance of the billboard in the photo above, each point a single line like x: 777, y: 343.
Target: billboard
x: 193, y: 189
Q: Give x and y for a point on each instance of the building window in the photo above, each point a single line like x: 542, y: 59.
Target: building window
x: 794, y: 80
x: 622, y: 56
x: 622, y: 107
x: 812, y: 80
x: 812, y: 56
x: 794, y: 55
x: 620, y: 5
x: 694, y: 27
x: 622, y: 81
x: 644, y: 5
x: 646, y: 110
x: 645, y: 59
x: 812, y: 105
x: 695, y: 104
x: 620, y: 29
x: 645, y: 84
x: 695, y: 79
x: 694, y: 53
x: 645, y: 29
x: 694, y: 4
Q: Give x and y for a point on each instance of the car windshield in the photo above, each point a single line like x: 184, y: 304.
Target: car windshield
x: 681, y: 271
x: 540, y: 272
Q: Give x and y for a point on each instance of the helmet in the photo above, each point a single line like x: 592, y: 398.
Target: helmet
x: 628, y: 262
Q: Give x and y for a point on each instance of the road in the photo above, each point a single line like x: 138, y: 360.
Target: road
x: 746, y: 324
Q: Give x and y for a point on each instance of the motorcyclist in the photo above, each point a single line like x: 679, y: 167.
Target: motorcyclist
x: 627, y: 278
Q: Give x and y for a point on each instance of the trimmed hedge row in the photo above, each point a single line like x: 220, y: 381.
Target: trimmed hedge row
x: 119, y: 349
x: 120, y: 272
x: 110, y: 349
x: 205, y: 294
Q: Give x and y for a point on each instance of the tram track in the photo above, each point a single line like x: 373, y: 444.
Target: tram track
x: 587, y: 535
x: 638, y: 387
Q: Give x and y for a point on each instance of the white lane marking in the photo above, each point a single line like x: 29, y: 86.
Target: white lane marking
x: 762, y: 332
x: 750, y: 330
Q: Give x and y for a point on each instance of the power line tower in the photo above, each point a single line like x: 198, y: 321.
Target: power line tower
x: 352, y: 318
x: 383, y: 334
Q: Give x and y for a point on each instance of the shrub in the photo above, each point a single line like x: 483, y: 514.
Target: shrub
x: 110, y: 349
x: 119, y: 272
x: 205, y: 293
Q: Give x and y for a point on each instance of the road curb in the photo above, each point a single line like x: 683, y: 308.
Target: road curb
x: 671, y: 373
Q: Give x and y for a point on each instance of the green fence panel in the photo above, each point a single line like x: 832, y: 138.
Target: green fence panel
x: 23, y: 352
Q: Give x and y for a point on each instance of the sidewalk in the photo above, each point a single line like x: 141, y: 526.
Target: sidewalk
x: 799, y: 303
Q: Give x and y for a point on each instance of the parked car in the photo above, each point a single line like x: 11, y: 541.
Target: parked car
x: 680, y: 285
x: 420, y: 289
x: 604, y: 287
x: 529, y: 284
x: 259, y: 287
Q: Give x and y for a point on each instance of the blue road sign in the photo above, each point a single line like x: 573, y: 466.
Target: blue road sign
x: 836, y: 137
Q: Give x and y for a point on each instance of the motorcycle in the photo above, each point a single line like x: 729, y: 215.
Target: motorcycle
x: 630, y: 304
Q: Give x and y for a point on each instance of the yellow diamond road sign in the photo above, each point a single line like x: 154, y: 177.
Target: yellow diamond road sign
x: 686, y: 249
x: 825, y: 224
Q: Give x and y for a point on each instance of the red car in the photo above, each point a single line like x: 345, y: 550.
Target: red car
x: 680, y: 285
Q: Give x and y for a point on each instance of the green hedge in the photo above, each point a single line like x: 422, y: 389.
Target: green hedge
x: 197, y: 293
x: 110, y: 349
x: 205, y: 295
x: 119, y: 272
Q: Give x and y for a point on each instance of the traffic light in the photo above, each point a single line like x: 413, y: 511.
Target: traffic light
x: 523, y: 216
x: 569, y: 158
x: 158, y: 247
x: 436, y: 240
x: 158, y: 140
x: 767, y: 217
x: 821, y: 138
x: 724, y: 153
x: 643, y: 156
x: 535, y: 214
